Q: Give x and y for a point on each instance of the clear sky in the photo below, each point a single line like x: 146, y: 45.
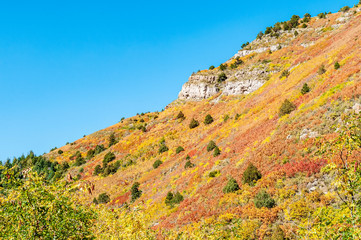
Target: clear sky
x: 74, y: 67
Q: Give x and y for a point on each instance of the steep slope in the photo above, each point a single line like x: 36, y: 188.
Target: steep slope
x: 247, y: 128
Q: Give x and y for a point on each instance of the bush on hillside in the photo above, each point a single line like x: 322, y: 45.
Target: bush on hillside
x: 103, y: 198
x: 79, y: 161
x: 344, y: 9
x: 60, y: 152
x: 180, y: 115
x: 97, y: 170
x: 337, y: 65
x: 216, y: 152
x: 222, y: 77
x: 136, y: 193
x: 285, y: 73
x: 211, y: 67
x: 112, y: 140
x: 231, y: 186
x: 157, y: 163
x: 211, y: 145
x: 321, y: 69
x: 193, y: 124
x: 214, y: 174
x: 223, y: 67
x: 111, y: 168
x: 251, y: 175
x: 188, y: 164
x: 208, y: 119
x: 163, y: 148
x: 286, y: 108
x: 108, y: 158
x: 179, y: 149
x: 172, y: 199
x: 263, y: 199
x: 321, y: 15
x: 305, y: 89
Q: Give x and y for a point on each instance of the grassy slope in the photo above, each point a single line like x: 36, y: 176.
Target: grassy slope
x: 259, y: 136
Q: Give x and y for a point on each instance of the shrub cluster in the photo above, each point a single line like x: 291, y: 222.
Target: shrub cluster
x: 305, y: 89
x: 231, y: 186
x: 136, y: 193
x: 251, y: 175
x: 173, y: 199
x: 208, y: 119
x: 179, y: 149
x: 157, y: 163
x: 102, y: 198
x: 286, y: 108
x: 193, y: 124
x: 222, y: 77
x: 263, y: 199
x: 180, y: 115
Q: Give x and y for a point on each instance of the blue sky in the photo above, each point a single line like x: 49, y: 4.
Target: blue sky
x: 74, y: 67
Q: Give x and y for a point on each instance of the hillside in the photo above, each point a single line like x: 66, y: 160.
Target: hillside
x: 243, y: 96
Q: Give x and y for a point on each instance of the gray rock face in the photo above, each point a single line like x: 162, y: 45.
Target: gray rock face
x: 244, y: 81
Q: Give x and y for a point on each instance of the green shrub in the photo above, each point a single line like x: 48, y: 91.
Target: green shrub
x: 112, y: 140
x: 322, y: 15
x: 60, y: 152
x: 103, y: 198
x: 179, y: 149
x: 193, y: 124
x: 97, y: 170
x: 169, y: 198
x: 157, y: 163
x: 225, y: 118
x: 263, y: 199
x: 136, y: 193
x: 251, y: 175
x: 304, y: 25
x: 79, y: 161
x: 64, y: 166
x: 216, y: 152
x: 286, y: 108
x: 296, y: 33
x: 214, y: 174
x: 163, y: 148
x: 223, y: 67
x: 211, y: 67
x: 81, y: 170
x: 111, y: 168
x: 95, y: 201
x: 344, y: 9
x: 90, y: 154
x: 108, y: 158
x: 245, y: 45
x: 260, y: 35
x: 188, y: 164
x: 305, y: 89
x: 180, y: 115
x: 172, y: 199
x: 211, y: 145
x: 285, y: 73
x: 321, y: 69
x: 337, y: 65
x: 208, y: 119
x: 231, y: 186
x: 222, y: 77
x: 188, y: 157
x: 98, y: 149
